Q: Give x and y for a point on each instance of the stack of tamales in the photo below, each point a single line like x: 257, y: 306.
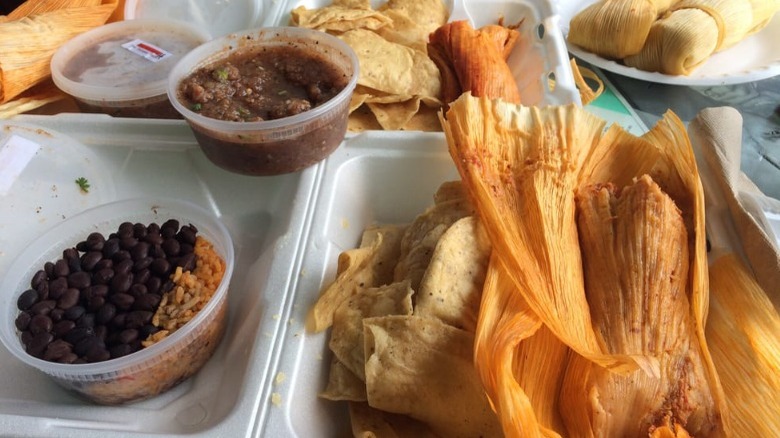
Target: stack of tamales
x: 592, y: 320
x: 667, y: 36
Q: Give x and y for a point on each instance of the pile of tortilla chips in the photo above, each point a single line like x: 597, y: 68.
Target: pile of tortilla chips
x: 30, y: 35
x: 403, y: 310
x: 399, y: 86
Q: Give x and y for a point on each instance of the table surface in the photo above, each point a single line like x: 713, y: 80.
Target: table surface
x: 758, y: 102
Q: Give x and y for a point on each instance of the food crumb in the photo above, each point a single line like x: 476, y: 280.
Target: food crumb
x: 345, y: 223
x: 276, y: 399
x: 280, y: 377
x: 275, y: 316
x: 291, y: 321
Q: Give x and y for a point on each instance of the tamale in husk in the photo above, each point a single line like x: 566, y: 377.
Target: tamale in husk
x: 28, y: 43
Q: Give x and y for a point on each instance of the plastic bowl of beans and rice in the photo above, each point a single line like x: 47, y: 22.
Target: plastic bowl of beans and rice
x: 161, y: 340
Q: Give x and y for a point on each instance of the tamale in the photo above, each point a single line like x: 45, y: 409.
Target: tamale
x: 743, y: 332
x: 27, y: 44
x: 692, y: 30
x: 614, y: 28
x: 635, y: 255
x: 474, y: 60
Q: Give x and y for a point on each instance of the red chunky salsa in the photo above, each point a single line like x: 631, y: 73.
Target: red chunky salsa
x: 267, y: 84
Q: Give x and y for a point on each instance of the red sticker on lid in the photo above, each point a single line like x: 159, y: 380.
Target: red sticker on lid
x: 147, y: 50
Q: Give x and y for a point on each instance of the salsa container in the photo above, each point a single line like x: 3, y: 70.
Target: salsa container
x: 287, y: 232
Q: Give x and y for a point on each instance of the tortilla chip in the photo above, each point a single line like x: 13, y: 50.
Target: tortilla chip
x: 426, y: 120
x: 368, y: 422
x: 370, y: 265
x: 423, y: 234
x: 36, y: 97
x: 404, y: 30
x: 337, y: 19
x: 362, y: 119
x: 343, y: 384
x: 423, y: 368
x: 451, y: 289
x: 346, y: 339
x: 428, y: 14
x: 394, y: 116
x: 356, y: 100
x: 353, y: 4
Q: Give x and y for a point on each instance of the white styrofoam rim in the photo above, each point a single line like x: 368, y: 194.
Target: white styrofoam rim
x: 765, y: 68
x: 100, y: 93
x: 184, y: 210
x: 220, y: 48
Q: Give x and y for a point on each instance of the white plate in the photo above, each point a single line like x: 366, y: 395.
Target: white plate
x: 755, y: 58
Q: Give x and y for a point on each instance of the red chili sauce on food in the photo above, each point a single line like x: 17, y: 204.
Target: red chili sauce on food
x: 271, y: 83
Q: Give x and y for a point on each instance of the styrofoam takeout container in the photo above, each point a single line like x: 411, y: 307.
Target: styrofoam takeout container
x: 149, y: 371
x: 121, y: 68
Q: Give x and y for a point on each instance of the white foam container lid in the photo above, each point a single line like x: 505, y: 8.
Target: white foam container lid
x: 287, y: 231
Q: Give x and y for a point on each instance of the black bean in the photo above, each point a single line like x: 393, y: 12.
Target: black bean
x: 98, y: 290
x: 119, y: 320
x: 48, y: 267
x: 103, y: 264
x: 57, y: 287
x: 105, y: 314
x: 139, y: 230
x: 127, y: 336
x: 137, y: 290
x: 154, y: 239
x: 120, y: 350
x: 140, y: 251
x: 75, y: 335
x: 103, y: 276
x: 153, y: 285
x: 22, y: 320
x: 43, y: 307
x: 121, y: 283
x: 26, y: 338
x: 95, y: 303
x: 82, y: 246
x: 38, y: 343
x: 101, y: 331
x: 43, y: 290
x: 169, y: 228
x: 27, y: 299
x: 147, y: 330
x: 127, y: 243
x: 85, y: 344
x: 186, y: 235
x: 87, y: 320
x: 95, y: 241
x: 125, y: 230
x: 90, y: 260
x: 74, y: 264
x: 166, y: 286
x: 123, y: 267
x: 142, y: 264
x: 171, y: 247
x: 187, y: 262
x: 160, y: 266
x: 122, y: 301
x: 79, y: 280
x: 120, y: 255
x: 68, y: 299
x: 40, y: 324
x: 68, y: 358
x: 70, y: 254
x: 74, y: 313
x: 138, y: 318
x: 142, y: 276
x: 153, y: 228
x: 39, y: 277
x: 110, y: 247
x: 147, y: 302
x: 186, y: 248
x: 61, y: 268
x: 63, y: 327
x: 56, y: 314
x: 56, y: 349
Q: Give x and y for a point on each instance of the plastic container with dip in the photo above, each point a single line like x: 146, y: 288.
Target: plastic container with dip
x: 121, y: 69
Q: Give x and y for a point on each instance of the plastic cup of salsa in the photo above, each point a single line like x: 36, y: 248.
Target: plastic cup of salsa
x: 269, y: 146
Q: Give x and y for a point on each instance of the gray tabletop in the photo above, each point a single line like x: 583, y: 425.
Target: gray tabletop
x: 758, y: 102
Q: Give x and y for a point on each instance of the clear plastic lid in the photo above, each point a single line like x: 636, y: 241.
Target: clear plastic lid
x: 126, y: 60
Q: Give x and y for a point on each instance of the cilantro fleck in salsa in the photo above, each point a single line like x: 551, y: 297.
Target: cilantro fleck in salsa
x: 272, y: 83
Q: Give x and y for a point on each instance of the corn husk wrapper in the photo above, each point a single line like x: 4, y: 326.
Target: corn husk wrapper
x: 28, y: 43
x: 521, y: 166
x: 693, y: 30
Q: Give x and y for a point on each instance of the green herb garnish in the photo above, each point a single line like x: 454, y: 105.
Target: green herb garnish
x: 220, y: 74
x: 83, y: 184
x: 197, y: 107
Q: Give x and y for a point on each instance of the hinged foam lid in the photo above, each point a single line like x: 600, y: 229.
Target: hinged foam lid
x: 126, y: 60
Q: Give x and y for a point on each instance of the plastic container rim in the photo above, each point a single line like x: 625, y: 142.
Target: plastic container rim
x: 219, y: 48
x: 97, y: 93
x: 10, y: 337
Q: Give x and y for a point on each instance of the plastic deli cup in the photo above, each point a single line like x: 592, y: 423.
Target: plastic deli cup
x: 121, y: 68
x: 276, y: 146
x: 148, y: 371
